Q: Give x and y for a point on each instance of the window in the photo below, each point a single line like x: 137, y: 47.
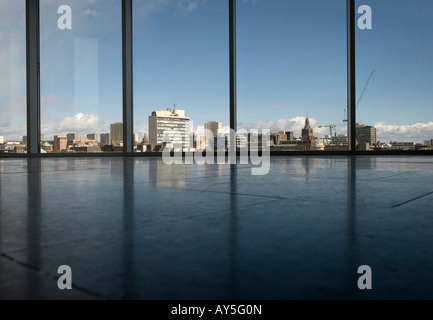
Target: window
x: 181, y: 72
x: 81, y: 76
x: 292, y: 78
x: 13, y: 128
x: 395, y: 76
x: 291, y: 75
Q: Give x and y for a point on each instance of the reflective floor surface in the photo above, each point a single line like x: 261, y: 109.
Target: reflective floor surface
x: 136, y: 228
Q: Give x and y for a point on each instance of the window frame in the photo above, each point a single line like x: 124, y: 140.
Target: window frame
x: 33, y: 87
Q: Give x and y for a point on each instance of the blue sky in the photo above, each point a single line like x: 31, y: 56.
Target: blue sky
x: 399, y: 100
x: 181, y: 56
x: 291, y: 60
x: 12, y: 69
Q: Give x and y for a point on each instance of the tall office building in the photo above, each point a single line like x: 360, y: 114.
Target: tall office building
x: 341, y: 139
x: 163, y: 126
x: 60, y: 143
x: 116, y: 131
x: 365, y: 134
x: 105, y: 138
x: 2, y: 139
x: 72, y: 136
x: 214, y: 127
x: 92, y: 136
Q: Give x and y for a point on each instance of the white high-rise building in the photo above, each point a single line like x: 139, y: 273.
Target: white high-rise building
x: 2, y: 139
x: 169, y: 127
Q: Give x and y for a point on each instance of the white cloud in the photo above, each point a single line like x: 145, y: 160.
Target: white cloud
x: 417, y: 132
x: 141, y: 131
x: 144, y: 9
x: 190, y: 5
x: 251, y: 1
x: 13, y: 119
x: 92, y: 13
x: 80, y: 123
x: 294, y: 124
x: 13, y: 116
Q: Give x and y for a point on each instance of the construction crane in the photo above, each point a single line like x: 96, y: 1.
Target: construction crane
x: 331, y: 128
x: 362, y: 94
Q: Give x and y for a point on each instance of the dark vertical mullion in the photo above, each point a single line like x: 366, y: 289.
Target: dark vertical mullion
x: 233, y: 99
x: 33, y: 77
x: 351, y: 75
x: 128, y: 116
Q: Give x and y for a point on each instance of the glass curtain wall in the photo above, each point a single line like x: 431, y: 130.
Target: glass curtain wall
x: 292, y: 72
x: 394, y: 75
x: 181, y: 73
x: 13, y: 96
x: 81, y: 76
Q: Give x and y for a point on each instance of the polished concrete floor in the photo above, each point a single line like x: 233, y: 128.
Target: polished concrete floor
x: 136, y: 228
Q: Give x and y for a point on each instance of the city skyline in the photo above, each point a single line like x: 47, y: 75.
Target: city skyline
x: 173, y: 126
x: 320, y: 132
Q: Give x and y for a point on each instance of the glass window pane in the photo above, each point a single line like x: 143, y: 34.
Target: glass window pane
x: 181, y: 62
x: 292, y: 65
x: 13, y: 127
x: 81, y: 76
x: 395, y: 75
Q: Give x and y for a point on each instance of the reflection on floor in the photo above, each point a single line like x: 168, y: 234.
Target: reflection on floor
x: 136, y: 228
